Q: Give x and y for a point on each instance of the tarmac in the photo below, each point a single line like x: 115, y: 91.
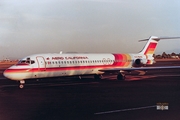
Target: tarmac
x: 136, y: 98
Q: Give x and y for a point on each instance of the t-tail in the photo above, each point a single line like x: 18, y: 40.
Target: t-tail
x: 151, y: 45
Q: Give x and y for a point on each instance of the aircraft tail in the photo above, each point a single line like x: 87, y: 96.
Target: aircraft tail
x: 151, y: 45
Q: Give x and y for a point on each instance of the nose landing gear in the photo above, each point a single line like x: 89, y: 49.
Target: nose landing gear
x: 22, y: 82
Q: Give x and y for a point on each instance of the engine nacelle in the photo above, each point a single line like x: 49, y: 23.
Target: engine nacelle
x: 139, y: 62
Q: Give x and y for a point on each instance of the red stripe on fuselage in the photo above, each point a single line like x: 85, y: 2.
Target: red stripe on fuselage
x: 55, y: 69
x: 17, y: 70
x: 118, y: 57
x: 123, y: 60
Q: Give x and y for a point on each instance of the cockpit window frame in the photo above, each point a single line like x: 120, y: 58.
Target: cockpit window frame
x: 26, y: 61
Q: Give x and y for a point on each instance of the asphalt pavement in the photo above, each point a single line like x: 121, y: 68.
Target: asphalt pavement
x: 87, y: 99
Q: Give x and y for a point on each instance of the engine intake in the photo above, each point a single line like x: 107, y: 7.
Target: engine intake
x: 139, y: 62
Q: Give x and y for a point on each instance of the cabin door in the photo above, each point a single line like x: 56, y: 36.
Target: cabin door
x: 41, y: 63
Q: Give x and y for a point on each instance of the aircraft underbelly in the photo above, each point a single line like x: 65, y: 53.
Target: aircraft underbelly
x: 43, y: 74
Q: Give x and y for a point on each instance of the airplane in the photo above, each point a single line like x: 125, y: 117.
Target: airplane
x: 79, y: 64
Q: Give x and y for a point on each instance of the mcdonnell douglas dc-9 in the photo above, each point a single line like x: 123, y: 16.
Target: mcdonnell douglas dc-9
x: 79, y: 64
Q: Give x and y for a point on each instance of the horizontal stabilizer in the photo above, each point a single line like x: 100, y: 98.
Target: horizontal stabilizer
x: 159, y: 38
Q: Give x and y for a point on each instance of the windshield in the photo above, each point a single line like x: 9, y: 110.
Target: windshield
x: 26, y: 62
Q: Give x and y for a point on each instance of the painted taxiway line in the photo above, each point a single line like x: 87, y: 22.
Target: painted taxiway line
x: 124, y: 110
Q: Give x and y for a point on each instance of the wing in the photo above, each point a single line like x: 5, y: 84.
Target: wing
x: 138, y: 68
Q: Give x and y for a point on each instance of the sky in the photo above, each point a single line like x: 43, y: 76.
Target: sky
x: 96, y: 26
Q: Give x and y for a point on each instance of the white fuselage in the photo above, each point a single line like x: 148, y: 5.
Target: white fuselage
x: 54, y: 65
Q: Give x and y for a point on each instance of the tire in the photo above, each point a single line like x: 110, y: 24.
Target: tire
x: 21, y: 86
x: 120, y: 77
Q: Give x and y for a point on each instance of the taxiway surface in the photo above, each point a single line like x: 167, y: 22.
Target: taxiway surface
x: 107, y: 99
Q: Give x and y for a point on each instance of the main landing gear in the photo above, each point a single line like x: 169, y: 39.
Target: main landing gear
x: 22, y: 82
x: 97, y: 77
x: 121, y: 76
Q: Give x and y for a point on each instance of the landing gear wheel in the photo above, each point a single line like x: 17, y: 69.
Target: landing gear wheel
x: 21, y: 86
x: 22, y: 82
x: 121, y: 77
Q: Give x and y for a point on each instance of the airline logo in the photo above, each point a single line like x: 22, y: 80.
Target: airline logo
x: 70, y: 58
x: 151, y: 48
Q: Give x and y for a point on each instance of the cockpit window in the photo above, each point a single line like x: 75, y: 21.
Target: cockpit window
x: 22, y: 62
x: 32, y: 61
x: 26, y: 62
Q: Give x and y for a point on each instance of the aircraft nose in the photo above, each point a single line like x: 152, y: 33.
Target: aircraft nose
x: 6, y: 74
